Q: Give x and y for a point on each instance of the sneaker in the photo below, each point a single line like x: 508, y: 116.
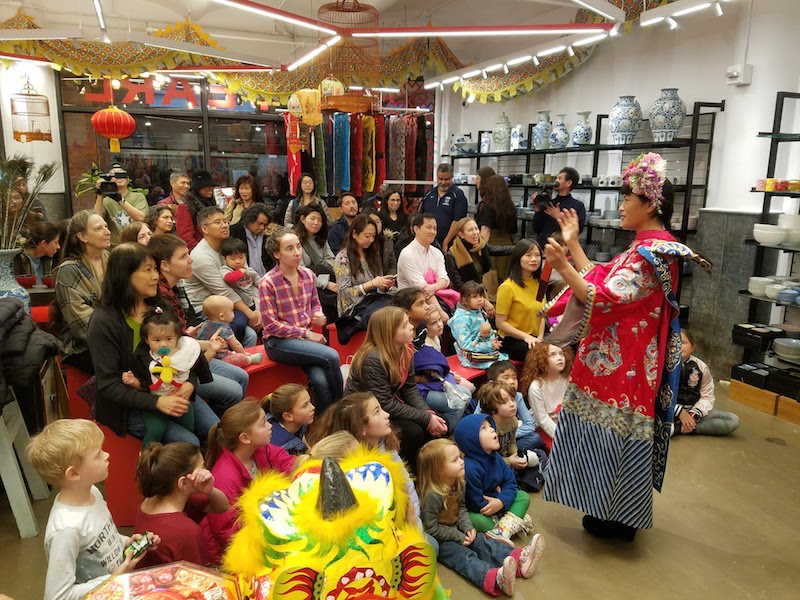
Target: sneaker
x: 527, y: 523
x: 530, y: 556
x: 507, y: 576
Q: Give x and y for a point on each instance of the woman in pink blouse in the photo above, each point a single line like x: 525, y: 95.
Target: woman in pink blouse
x: 289, y: 306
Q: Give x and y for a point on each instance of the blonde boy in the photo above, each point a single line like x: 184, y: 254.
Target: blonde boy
x: 82, y: 543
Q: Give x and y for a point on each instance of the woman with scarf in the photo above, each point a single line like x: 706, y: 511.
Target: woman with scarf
x: 610, y: 447
x: 468, y: 258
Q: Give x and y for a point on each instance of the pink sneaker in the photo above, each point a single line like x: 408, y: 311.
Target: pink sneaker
x: 507, y: 576
x: 529, y: 557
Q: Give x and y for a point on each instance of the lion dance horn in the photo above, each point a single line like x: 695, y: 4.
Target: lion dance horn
x: 335, y: 494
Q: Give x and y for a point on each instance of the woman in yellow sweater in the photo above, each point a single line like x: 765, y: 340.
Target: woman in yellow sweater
x: 518, y: 304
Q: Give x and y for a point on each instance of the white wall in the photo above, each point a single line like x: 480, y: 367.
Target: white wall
x: 43, y: 80
x: 692, y: 58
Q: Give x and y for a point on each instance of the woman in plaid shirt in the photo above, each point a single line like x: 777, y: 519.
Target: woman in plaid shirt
x: 289, y: 306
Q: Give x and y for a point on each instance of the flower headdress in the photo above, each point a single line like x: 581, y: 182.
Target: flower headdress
x: 646, y: 175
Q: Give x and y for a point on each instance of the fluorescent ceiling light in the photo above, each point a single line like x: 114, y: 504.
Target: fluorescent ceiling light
x: 218, y: 69
x: 673, y: 24
x: 304, y: 59
x: 570, y: 51
x: 691, y: 9
x: 505, y: 69
x: 550, y: 51
x: 517, y: 61
x: 355, y: 87
x: 334, y: 40
x: 386, y: 90
x: 488, y: 30
x: 168, y: 44
x: 471, y: 74
x: 98, y: 9
x: 678, y: 8
x: 62, y: 33
x: 536, y: 61
x: 275, y: 13
x: 431, y: 85
x: 590, y: 40
x: 718, y: 9
x: 179, y: 74
x: 603, y: 8
x: 652, y: 21
x: 495, y: 67
x: 450, y: 80
x: 483, y: 74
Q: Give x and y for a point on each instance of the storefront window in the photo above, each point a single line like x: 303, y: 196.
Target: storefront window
x: 243, y: 147
x: 159, y: 146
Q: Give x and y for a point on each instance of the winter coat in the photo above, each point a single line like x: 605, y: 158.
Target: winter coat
x: 23, y: 349
x: 485, y: 473
x: 428, y: 358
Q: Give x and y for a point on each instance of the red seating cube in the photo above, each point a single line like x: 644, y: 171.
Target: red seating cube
x: 122, y: 495
x: 75, y: 378
x: 473, y: 375
x: 267, y: 375
x: 348, y: 350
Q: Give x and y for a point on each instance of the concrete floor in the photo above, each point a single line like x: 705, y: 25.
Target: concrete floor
x: 727, y: 526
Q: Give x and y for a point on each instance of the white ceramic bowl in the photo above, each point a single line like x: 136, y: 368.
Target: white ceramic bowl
x: 789, y: 221
x: 792, y: 236
x: 770, y: 237
x: 616, y: 222
x: 772, y: 290
x: 767, y: 227
x: 787, y: 346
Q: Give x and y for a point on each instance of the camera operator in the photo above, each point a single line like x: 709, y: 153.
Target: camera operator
x: 118, y: 205
x: 545, y: 222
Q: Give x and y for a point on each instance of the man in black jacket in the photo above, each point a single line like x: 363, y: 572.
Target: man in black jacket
x: 250, y: 229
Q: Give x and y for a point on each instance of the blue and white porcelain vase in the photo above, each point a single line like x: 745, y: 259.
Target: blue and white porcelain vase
x: 625, y: 119
x: 582, y: 134
x: 559, y: 137
x: 667, y: 115
x: 9, y: 286
x: 541, y: 132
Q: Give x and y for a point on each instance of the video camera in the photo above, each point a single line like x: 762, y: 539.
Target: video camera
x: 107, y: 187
x: 544, y: 194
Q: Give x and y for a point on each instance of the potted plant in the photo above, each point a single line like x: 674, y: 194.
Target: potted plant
x: 20, y: 186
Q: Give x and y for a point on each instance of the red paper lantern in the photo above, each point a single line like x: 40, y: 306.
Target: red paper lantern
x: 115, y: 124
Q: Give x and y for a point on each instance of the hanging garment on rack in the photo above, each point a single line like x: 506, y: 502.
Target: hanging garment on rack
x: 368, y: 154
x: 380, y: 151
x: 341, y: 149
x: 421, y: 150
x: 320, y: 177
x: 327, y: 129
x: 410, y: 130
x: 356, y: 145
x: 397, y: 145
x: 293, y: 167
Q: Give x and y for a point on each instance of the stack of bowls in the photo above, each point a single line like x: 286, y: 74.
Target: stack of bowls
x: 788, y: 348
x: 769, y: 234
x: 792, y: 224
x: 788, y: 296
x: 758, y: 285
x: 772, y: 290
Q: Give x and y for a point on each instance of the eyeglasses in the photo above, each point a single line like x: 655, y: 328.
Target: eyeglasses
x: 217, y: 223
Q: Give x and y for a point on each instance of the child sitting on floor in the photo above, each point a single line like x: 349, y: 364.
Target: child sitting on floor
x: 290, y: 410
x: 527, y: 438
x: 497, y: 399
x: 546, y: 377
x: 695, y: 412
x: 487, y: 563
x: 236, y: 273
x: 170, y: 477
x: 496, y: 505
x: 219, y: 314
x: 82, y: 544
x: 477, y: 345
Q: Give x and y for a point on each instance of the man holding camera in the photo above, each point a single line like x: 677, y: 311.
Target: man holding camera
x: 118, y: 205
x: 545, y: 221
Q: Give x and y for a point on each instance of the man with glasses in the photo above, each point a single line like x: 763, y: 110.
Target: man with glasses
x: 251, y: 230
x: 126, y: 207
x: 206, y: 279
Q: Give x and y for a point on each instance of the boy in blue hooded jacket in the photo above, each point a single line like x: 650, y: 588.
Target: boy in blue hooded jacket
x: 496, y: 505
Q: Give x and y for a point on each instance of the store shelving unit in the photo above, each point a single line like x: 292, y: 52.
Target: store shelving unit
x: 776, y: 138
x: 692, y: 146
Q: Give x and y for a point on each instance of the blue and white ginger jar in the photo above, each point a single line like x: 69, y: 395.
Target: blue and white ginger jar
x: 667, y: 115
x: 625, y: 119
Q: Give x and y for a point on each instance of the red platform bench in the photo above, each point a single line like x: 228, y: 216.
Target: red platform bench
x: 348, y: 350
x: 476, y: 376
x: 267, y: 375
x: 121, y: 492
x: 75, y: 378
